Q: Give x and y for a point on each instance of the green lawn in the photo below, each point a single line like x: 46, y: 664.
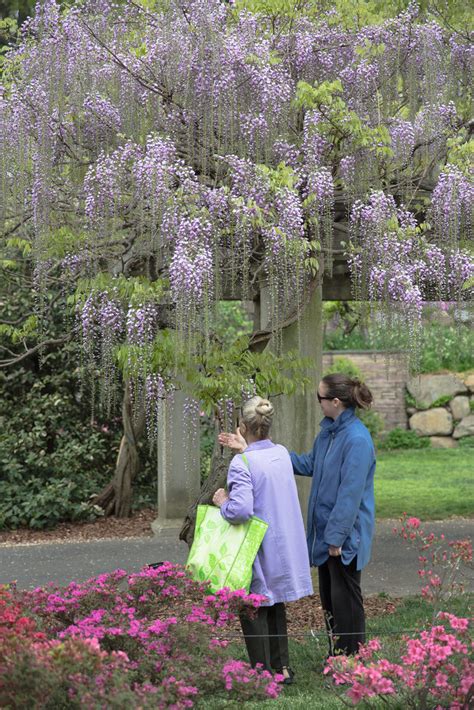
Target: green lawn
x: 429, y: 483
x: 312, y: 690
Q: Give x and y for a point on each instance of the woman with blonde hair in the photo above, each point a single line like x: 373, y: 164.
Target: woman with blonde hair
x: 261, y: 482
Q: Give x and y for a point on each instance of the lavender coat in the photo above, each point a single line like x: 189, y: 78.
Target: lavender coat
x: 281, y: 569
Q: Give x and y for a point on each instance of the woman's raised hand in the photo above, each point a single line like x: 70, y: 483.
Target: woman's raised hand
x: 236, y: 441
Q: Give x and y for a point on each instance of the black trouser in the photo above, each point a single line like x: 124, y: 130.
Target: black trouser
x: 266, y: 636
x: 341, y: 599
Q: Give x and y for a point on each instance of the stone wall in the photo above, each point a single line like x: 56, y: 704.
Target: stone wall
x: 386, y: 375
x: 441, y: 407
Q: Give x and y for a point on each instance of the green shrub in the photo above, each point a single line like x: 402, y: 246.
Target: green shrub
x: 46, y: 430
x: 345, y: 366
x: 372, y: 420
x: 400, y: 438
x: 466, y: 442
x: 38, y: 504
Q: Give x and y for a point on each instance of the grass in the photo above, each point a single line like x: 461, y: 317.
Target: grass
x: 312, y: 689
x: 432, y: 484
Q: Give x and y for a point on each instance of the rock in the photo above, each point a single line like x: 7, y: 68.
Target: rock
x: 469, y: 382
x: 426, y: 389
x: 433, y: 422
x: 443, y: 442
x: 460, y: 407
x: 411, y: 410
x: 465, y: 427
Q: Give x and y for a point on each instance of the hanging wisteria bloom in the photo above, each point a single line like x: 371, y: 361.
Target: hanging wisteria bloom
x: 155, y: 393
x: 191, y: 268
x: 321, y: 194
x: 452, y: 207
x: 88, y: 313
x: 402, y: 140
x: 142, y: 324
x: 347, y: 169
x: 315, y: 145
x: 102, y: 119
x: 101, y: 320
x: 105, y: 181
x: 392, y: 264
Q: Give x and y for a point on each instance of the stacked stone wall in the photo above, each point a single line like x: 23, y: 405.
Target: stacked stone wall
x: 442, y: 407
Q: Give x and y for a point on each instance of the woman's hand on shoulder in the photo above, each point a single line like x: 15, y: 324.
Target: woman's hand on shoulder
x: 235, y: 441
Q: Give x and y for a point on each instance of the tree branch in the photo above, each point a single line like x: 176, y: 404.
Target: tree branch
x: 32, y: 351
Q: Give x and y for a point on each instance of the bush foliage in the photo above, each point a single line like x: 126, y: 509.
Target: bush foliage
x: 400, y: 438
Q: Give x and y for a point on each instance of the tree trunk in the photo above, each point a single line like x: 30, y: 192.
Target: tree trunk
x: 216, y: 479
x: 116, y: 498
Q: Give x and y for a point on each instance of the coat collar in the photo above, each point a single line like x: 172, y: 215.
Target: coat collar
x: 263, y: 444
x: 330, y: 426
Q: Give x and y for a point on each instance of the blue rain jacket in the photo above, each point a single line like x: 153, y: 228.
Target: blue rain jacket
x: 341, y: 509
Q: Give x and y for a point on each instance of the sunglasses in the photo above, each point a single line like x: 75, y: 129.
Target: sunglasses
x: 320, y: 399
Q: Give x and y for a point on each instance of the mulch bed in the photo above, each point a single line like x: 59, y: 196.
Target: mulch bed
x: 139, y: 525
x: 307, y: 614
x: 303, y: 616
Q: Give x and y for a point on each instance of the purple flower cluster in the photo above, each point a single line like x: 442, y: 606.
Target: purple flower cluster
x: 452, y: 206
x: 289, y: 212
x: 191, y: 268
x: 101, y: 118
x: 321, y: 186
x: 101, y: 324
x: 73, y: 264
x: 402, y: 140
x: 153, y: 170
x: 105, y: 181
x: 315, y: 145
x: 321, y: 190
x: 142, y: 324
x: 391, y: 263
x: 347, y: 169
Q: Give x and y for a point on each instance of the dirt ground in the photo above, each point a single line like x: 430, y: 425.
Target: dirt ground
x: 139, y: 525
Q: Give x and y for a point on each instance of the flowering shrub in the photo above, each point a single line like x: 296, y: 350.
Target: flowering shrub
x: 443, y: 564
x: 435, y: 671
x: 113, y: 638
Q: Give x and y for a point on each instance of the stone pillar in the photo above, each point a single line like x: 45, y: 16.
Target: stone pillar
x: 297, y: 417
x: 178, y: 464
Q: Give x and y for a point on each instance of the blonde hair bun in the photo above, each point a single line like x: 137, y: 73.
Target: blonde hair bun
x: 264, y: 408
x: 257, y: 416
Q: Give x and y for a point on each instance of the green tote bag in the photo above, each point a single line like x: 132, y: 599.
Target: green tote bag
x: 221, y: 553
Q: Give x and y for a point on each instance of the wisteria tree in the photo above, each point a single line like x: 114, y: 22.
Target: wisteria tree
x: 159, y: 156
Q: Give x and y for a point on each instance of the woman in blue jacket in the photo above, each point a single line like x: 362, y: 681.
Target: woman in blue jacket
x: 341, y: 510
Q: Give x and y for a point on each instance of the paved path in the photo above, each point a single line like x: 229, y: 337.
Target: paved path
x: 393, y: 568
